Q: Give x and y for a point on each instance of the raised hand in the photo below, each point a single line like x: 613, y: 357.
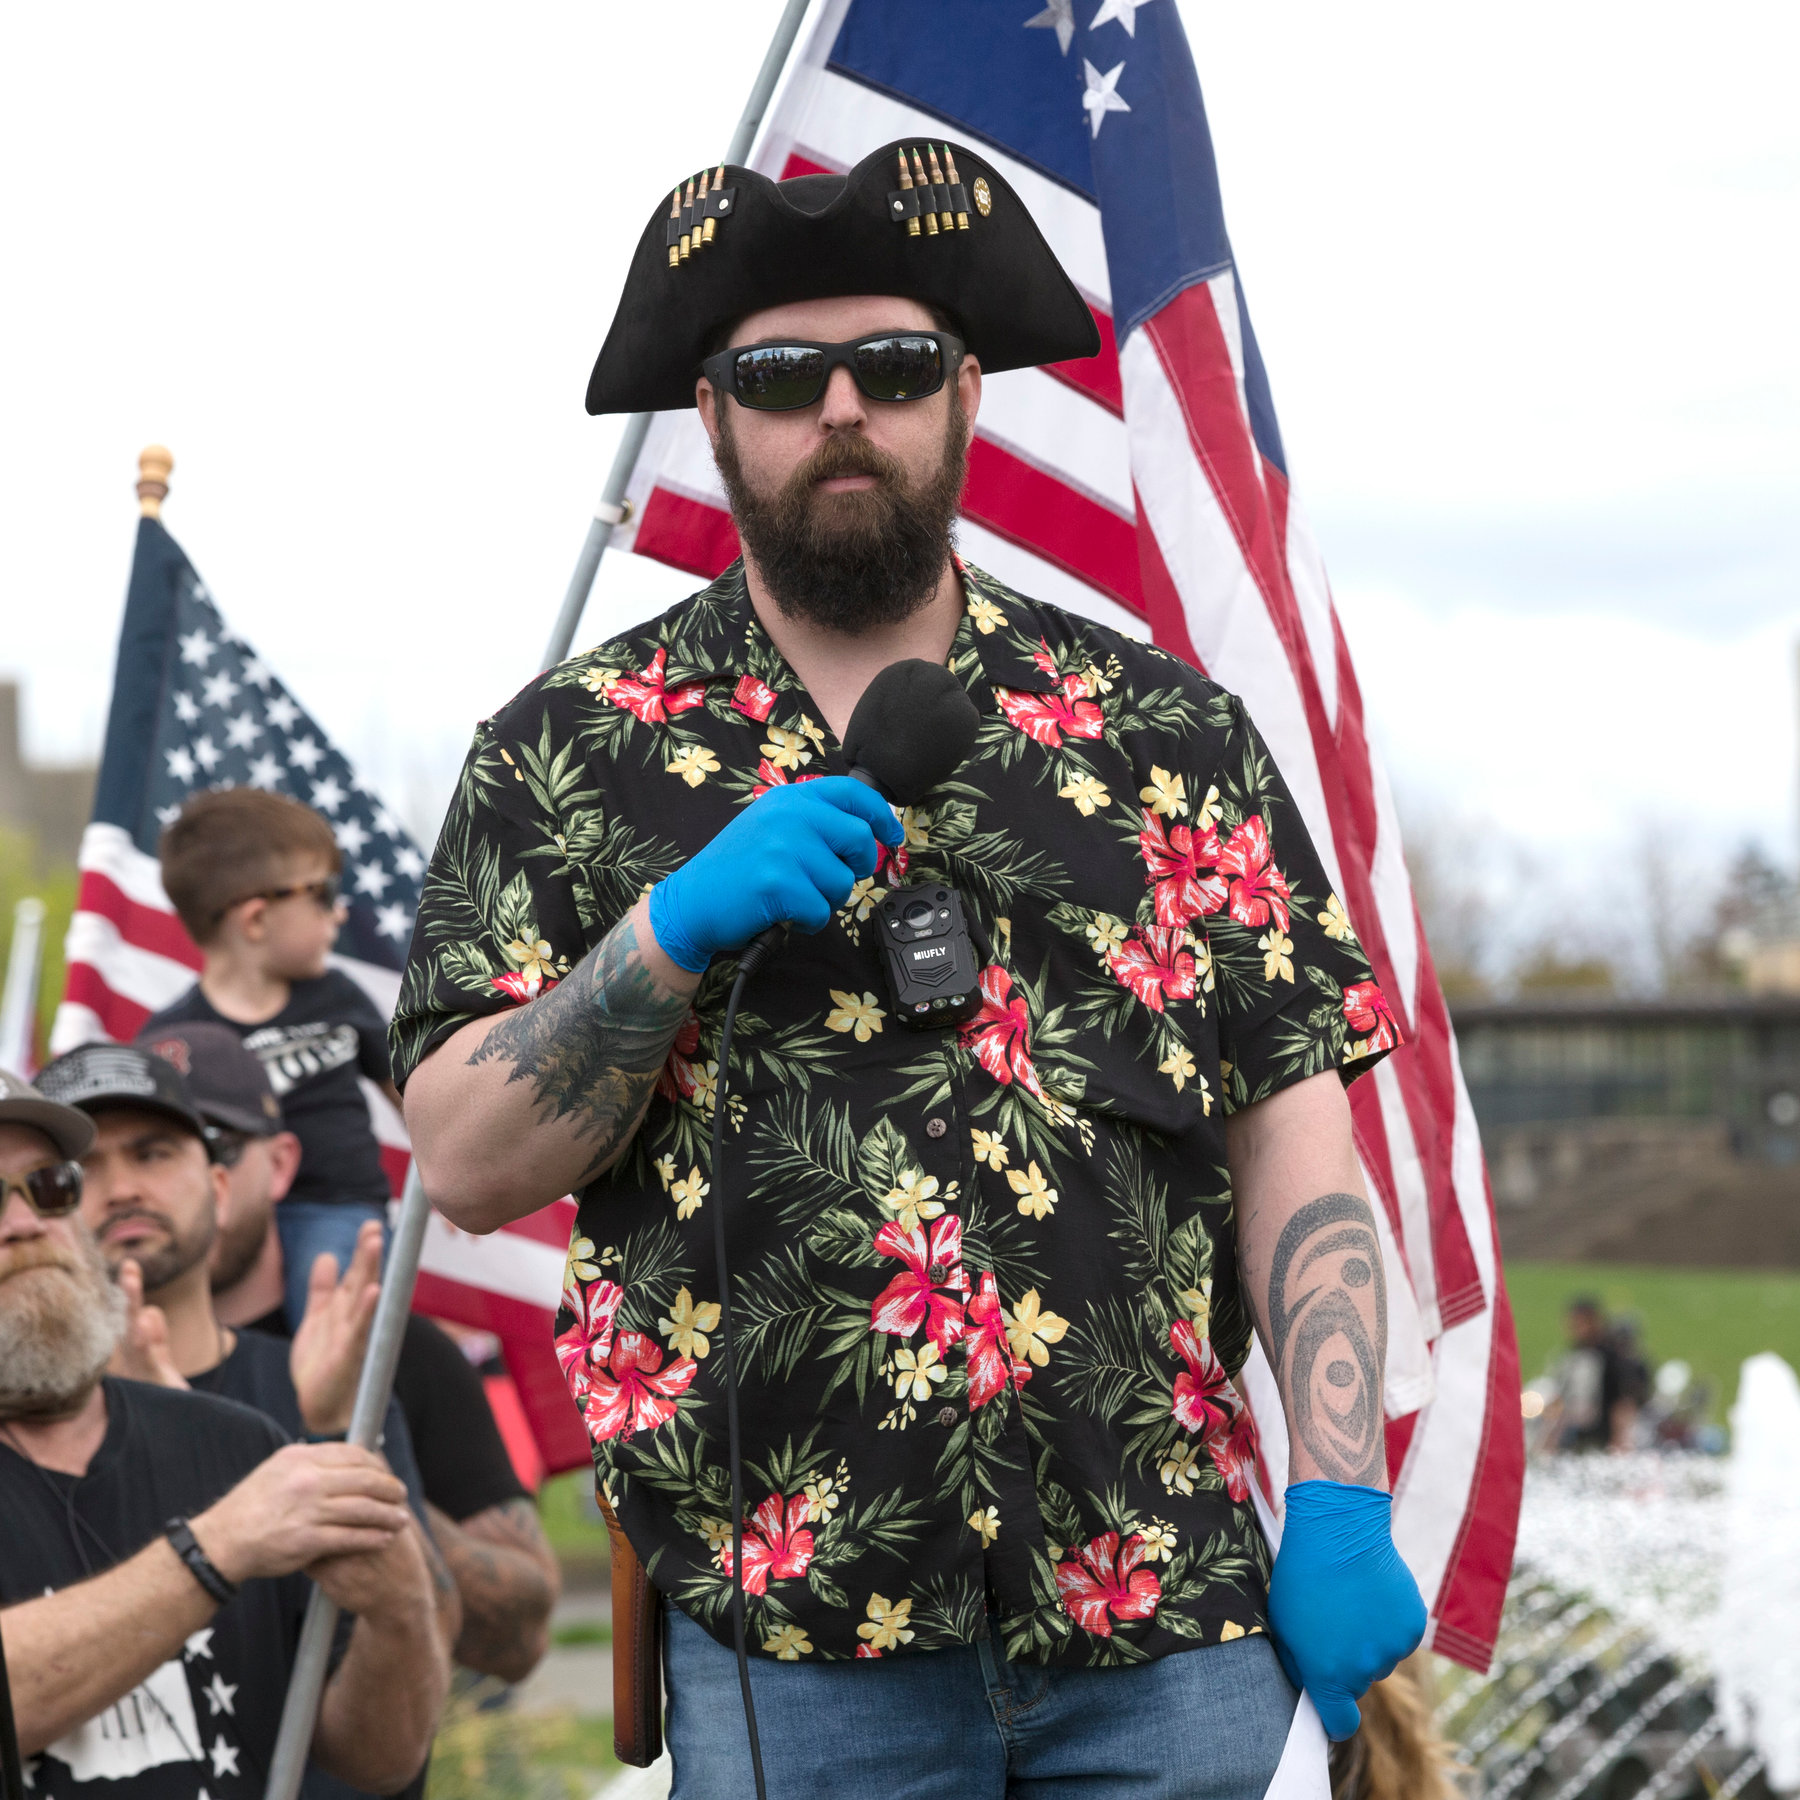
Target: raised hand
x: 327, y: 1355
x: 143, y: 1353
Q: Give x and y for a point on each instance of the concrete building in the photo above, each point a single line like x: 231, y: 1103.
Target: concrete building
x: 48, y: 804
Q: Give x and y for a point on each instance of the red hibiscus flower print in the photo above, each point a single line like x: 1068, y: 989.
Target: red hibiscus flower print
x: 1181, y: 863
x: 1259, y: 890
x: 1156, y: 963
x: 754, y: 699
x: 678, y: 1080
x: 992, y: 1364
x: 589, y: 1340
x: 519, y: 987
x: 647, y: 695
x: 1367, y: 1010
x: 999, y: 1033
x: 931, y: 1288
x: 634, y: 1392
x: 1105, y: 1581
x: 1233, y: 1452
x: 1049, y: 718
x: 769, y: 776
x: 777, y: 1545
x: 1204, y: 1396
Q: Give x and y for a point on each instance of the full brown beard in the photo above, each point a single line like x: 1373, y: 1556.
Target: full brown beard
x: 61, y: 1317
x: 850, y: 561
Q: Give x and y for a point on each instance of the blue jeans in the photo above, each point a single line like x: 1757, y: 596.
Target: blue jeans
x: 307, y: 1227
x: 967, y: 1724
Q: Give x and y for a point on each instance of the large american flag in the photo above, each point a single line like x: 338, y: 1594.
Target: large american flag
x: 194, y: 707
x: 1148, y: 488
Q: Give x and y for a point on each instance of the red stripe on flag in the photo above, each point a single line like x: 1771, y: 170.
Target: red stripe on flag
x: 1049, y: 518
x: 1096, y: 376
x: 119, y: 1018
x: 144, y: 927
x: 1162, y: 598
x: 686, y: 534
x: 797, y: 164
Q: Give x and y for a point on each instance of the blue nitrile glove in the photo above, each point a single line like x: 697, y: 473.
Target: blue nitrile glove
x: 794, y: 854
x: 1343, y: 1607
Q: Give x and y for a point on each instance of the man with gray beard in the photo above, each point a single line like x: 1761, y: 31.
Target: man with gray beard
x: 152, y: 1567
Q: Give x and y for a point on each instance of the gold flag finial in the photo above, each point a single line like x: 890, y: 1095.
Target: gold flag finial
x: 154, y: 464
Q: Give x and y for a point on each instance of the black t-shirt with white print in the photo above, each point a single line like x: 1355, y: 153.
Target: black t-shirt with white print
x: 202, y: 1725
x: 314, y: 1049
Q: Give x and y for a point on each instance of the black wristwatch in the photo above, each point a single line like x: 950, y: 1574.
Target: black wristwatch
x: 181, y: 1535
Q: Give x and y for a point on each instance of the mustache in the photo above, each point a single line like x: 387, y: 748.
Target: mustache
x: 36, y: 1253
x: 847, y: 454
x: 125, y: 1214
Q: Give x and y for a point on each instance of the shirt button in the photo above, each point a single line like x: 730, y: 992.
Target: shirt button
x: 939, y: 1273
x: 946, y: 1416
x: 935, y: 1128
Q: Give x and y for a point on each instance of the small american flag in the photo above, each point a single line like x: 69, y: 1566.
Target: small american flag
x: 194, y: 707
x: 1147, y: 487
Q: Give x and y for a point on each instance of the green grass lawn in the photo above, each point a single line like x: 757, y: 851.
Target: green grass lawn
x: 1711, y: 1318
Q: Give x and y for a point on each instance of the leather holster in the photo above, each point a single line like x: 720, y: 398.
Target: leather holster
x: 637, y: 1653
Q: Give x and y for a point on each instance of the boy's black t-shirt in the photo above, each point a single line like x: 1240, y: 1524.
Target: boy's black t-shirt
x: 314, y: 1049
x: 206, y: 1719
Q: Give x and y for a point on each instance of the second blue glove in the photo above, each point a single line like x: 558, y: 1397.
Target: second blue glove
x: 793, y: 855
x: 1343, y: 1607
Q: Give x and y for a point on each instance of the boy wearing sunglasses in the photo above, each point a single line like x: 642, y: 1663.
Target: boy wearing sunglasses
x: 254, y: 878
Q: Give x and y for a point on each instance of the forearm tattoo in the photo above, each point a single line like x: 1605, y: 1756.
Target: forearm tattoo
x: 502, y: 1567
x: 1328, y: 1328
x: 593, y: 1045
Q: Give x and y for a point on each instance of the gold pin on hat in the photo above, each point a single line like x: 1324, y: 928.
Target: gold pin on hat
x: 945, y: 221
x: 984, y: 201
x: 962, y: 217
x: 931, y: 224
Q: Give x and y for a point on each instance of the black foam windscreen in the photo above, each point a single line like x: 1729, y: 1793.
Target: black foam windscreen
x: 914, y: 727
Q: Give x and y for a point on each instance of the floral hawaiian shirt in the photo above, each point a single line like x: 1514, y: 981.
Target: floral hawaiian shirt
x: 988, y: 1309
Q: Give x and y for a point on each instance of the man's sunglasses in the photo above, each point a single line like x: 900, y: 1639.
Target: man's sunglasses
x: 324, y: 895
x: 52, y: 1191
x: 889, y: 365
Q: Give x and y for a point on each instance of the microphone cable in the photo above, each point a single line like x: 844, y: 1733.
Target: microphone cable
x: 755, y: 954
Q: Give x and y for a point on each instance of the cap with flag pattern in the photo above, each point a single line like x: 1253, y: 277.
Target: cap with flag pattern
x: 925, y: 220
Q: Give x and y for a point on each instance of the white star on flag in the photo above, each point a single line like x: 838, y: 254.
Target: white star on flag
x: 200, y: 1644
x: 196, y: 648
x: 206, y: 753
x: 242, y: 732
x: 224, y: 1758
x: 220, y: 689
x: 1058, y: 16
x: 265, y: 772
x: 409, y: 862
x: 386, y: 823
x: 258, y: 673
x: 167, y: 815
x: 393, y: 921
x: 304, y: 754
x: 281, y: 713
x: 181, y: 763
x: 219, y: 1692
x: 327, y: 795
x: 351, y: 836
x: 187, y: 710
x: 1100, y: 99
x: 372, y: 878
x: 1123, y: 11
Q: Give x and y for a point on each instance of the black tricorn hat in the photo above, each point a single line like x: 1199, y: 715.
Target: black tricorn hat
x: 953, y: 234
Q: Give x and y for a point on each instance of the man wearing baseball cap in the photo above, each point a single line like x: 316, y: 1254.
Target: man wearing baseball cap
x: 150, y: 1569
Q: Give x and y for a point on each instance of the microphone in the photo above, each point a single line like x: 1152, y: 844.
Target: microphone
x: 913, y: 727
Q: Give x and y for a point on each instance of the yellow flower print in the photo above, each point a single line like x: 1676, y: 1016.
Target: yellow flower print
x: 886, y: 1626
x: 717, y: 1533
x: 1337, y: 922
x: 1181, y: 1467
x: 1036, y: 1195
x: 1278, y: 957
x: 1088, y: 792
x: 693, y: 764
x: 1031, y: 1329
x: 580, y: 1264
x: 1099, y: 681
x: 688, y: 1193
x: 788, y: 1643
x: 533, y: 958
x: 688, y: 1323
x: 1203, y: 964
x: 1206, y: 1096
x: 1209, y: 811
x: 706, y: 1085
x: 823, y: 1493
x: 664, y: 1166
x: 990, y: 1148
x: 985, y: 614
x: 809, y: 729
x: 1229, y: 1630
x: 1166, y: 794
x: 984, y: 1521
x: 918, y: 1371
x: 518, y: 773
x: 1178, y: 1065
x: 599, y: 681
x: 786, y: 749
x: 914, y: 1199
x: 862, y: 1016
x: 862, y: 900
x: 1159, y: 1540
x: 1105, y: 935
x: 1198, y: 1301
x: 917, y: 826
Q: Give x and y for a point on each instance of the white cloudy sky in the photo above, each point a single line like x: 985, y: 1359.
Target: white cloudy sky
x: 1525, y: 281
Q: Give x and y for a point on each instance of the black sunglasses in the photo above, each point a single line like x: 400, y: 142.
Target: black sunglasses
x: 52, y: 1190
x: 887, y: 365
x: 324, y: 895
